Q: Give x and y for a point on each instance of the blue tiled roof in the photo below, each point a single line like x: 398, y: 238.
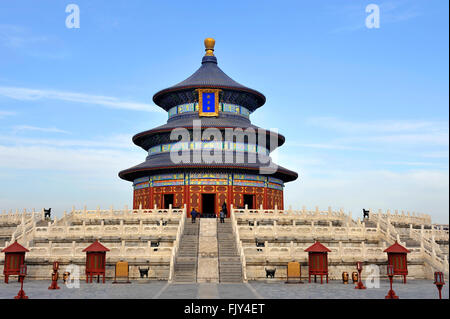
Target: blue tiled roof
x: 209, y: 75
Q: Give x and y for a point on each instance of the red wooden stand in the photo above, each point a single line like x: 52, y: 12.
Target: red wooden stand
x: 391, y: 294
x: 439, y: 282
x: 397, y: 257
x: 317, y: 261
x: 360, y: 285
x: 22, y: 274
x: 55, y: 275
x: 14, y: 258
x: 390, y: 272
x: 95, y: 261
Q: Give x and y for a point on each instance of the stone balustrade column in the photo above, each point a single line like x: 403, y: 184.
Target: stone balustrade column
x: 102, y: 227
x: 363, y: 250
x: 122, y: 249
x: 291, y: 250
x: 275, y: 229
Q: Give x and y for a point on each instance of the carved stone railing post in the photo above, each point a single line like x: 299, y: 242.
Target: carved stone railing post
x: 83, y: 229
x: 102, y: 228
x: 72, y: 249
x: 49, y: 251
x: 275, y: 229
x: 291, y: 250
x: 122, y: 250
x: 363, y: 250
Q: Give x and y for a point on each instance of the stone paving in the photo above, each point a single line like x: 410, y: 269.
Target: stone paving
x: 415, y: 289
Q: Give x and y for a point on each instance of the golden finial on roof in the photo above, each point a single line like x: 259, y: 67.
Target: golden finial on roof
x: 209, y: 46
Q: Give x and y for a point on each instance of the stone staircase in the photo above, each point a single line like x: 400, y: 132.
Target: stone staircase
x: 185, y: 269
x: 230, y: 268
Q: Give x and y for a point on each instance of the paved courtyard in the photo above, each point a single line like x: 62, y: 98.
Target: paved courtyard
x: 415, y: 289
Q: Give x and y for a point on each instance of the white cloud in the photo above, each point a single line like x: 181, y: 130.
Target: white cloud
x: 325, y: 146
x: 111, y: 142
x: 379, y: 126
x: 381, y: 132
x: 83, y: 160
x: 4, y: 114
x: 423, y: 191
x: 14, y: 36
x: 26, y: 94
x: 18, y: 128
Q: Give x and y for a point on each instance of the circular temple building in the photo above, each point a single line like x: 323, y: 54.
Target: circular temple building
x: 208, y: 153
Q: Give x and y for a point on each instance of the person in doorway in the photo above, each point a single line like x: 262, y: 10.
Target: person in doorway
x: 222, y: 216
x: 224, y: 209
x: 193, y: 214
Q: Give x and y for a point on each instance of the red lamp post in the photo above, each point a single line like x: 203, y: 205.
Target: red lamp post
x: 22, y: 274
x: 359, y: 267
x: 390, y: 272
x: 55, y: 275
x: 439, y: 281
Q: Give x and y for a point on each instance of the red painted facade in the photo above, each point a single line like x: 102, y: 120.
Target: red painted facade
x: 190, y: 195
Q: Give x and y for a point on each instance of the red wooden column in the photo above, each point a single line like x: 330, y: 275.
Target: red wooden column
x: 318, y: 261
x: 397, y: 258
x: 95, y: 261
x: 14, y: 257
x: 229, y: 199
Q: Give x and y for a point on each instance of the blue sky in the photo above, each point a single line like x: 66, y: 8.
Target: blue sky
x: 364, y: 111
